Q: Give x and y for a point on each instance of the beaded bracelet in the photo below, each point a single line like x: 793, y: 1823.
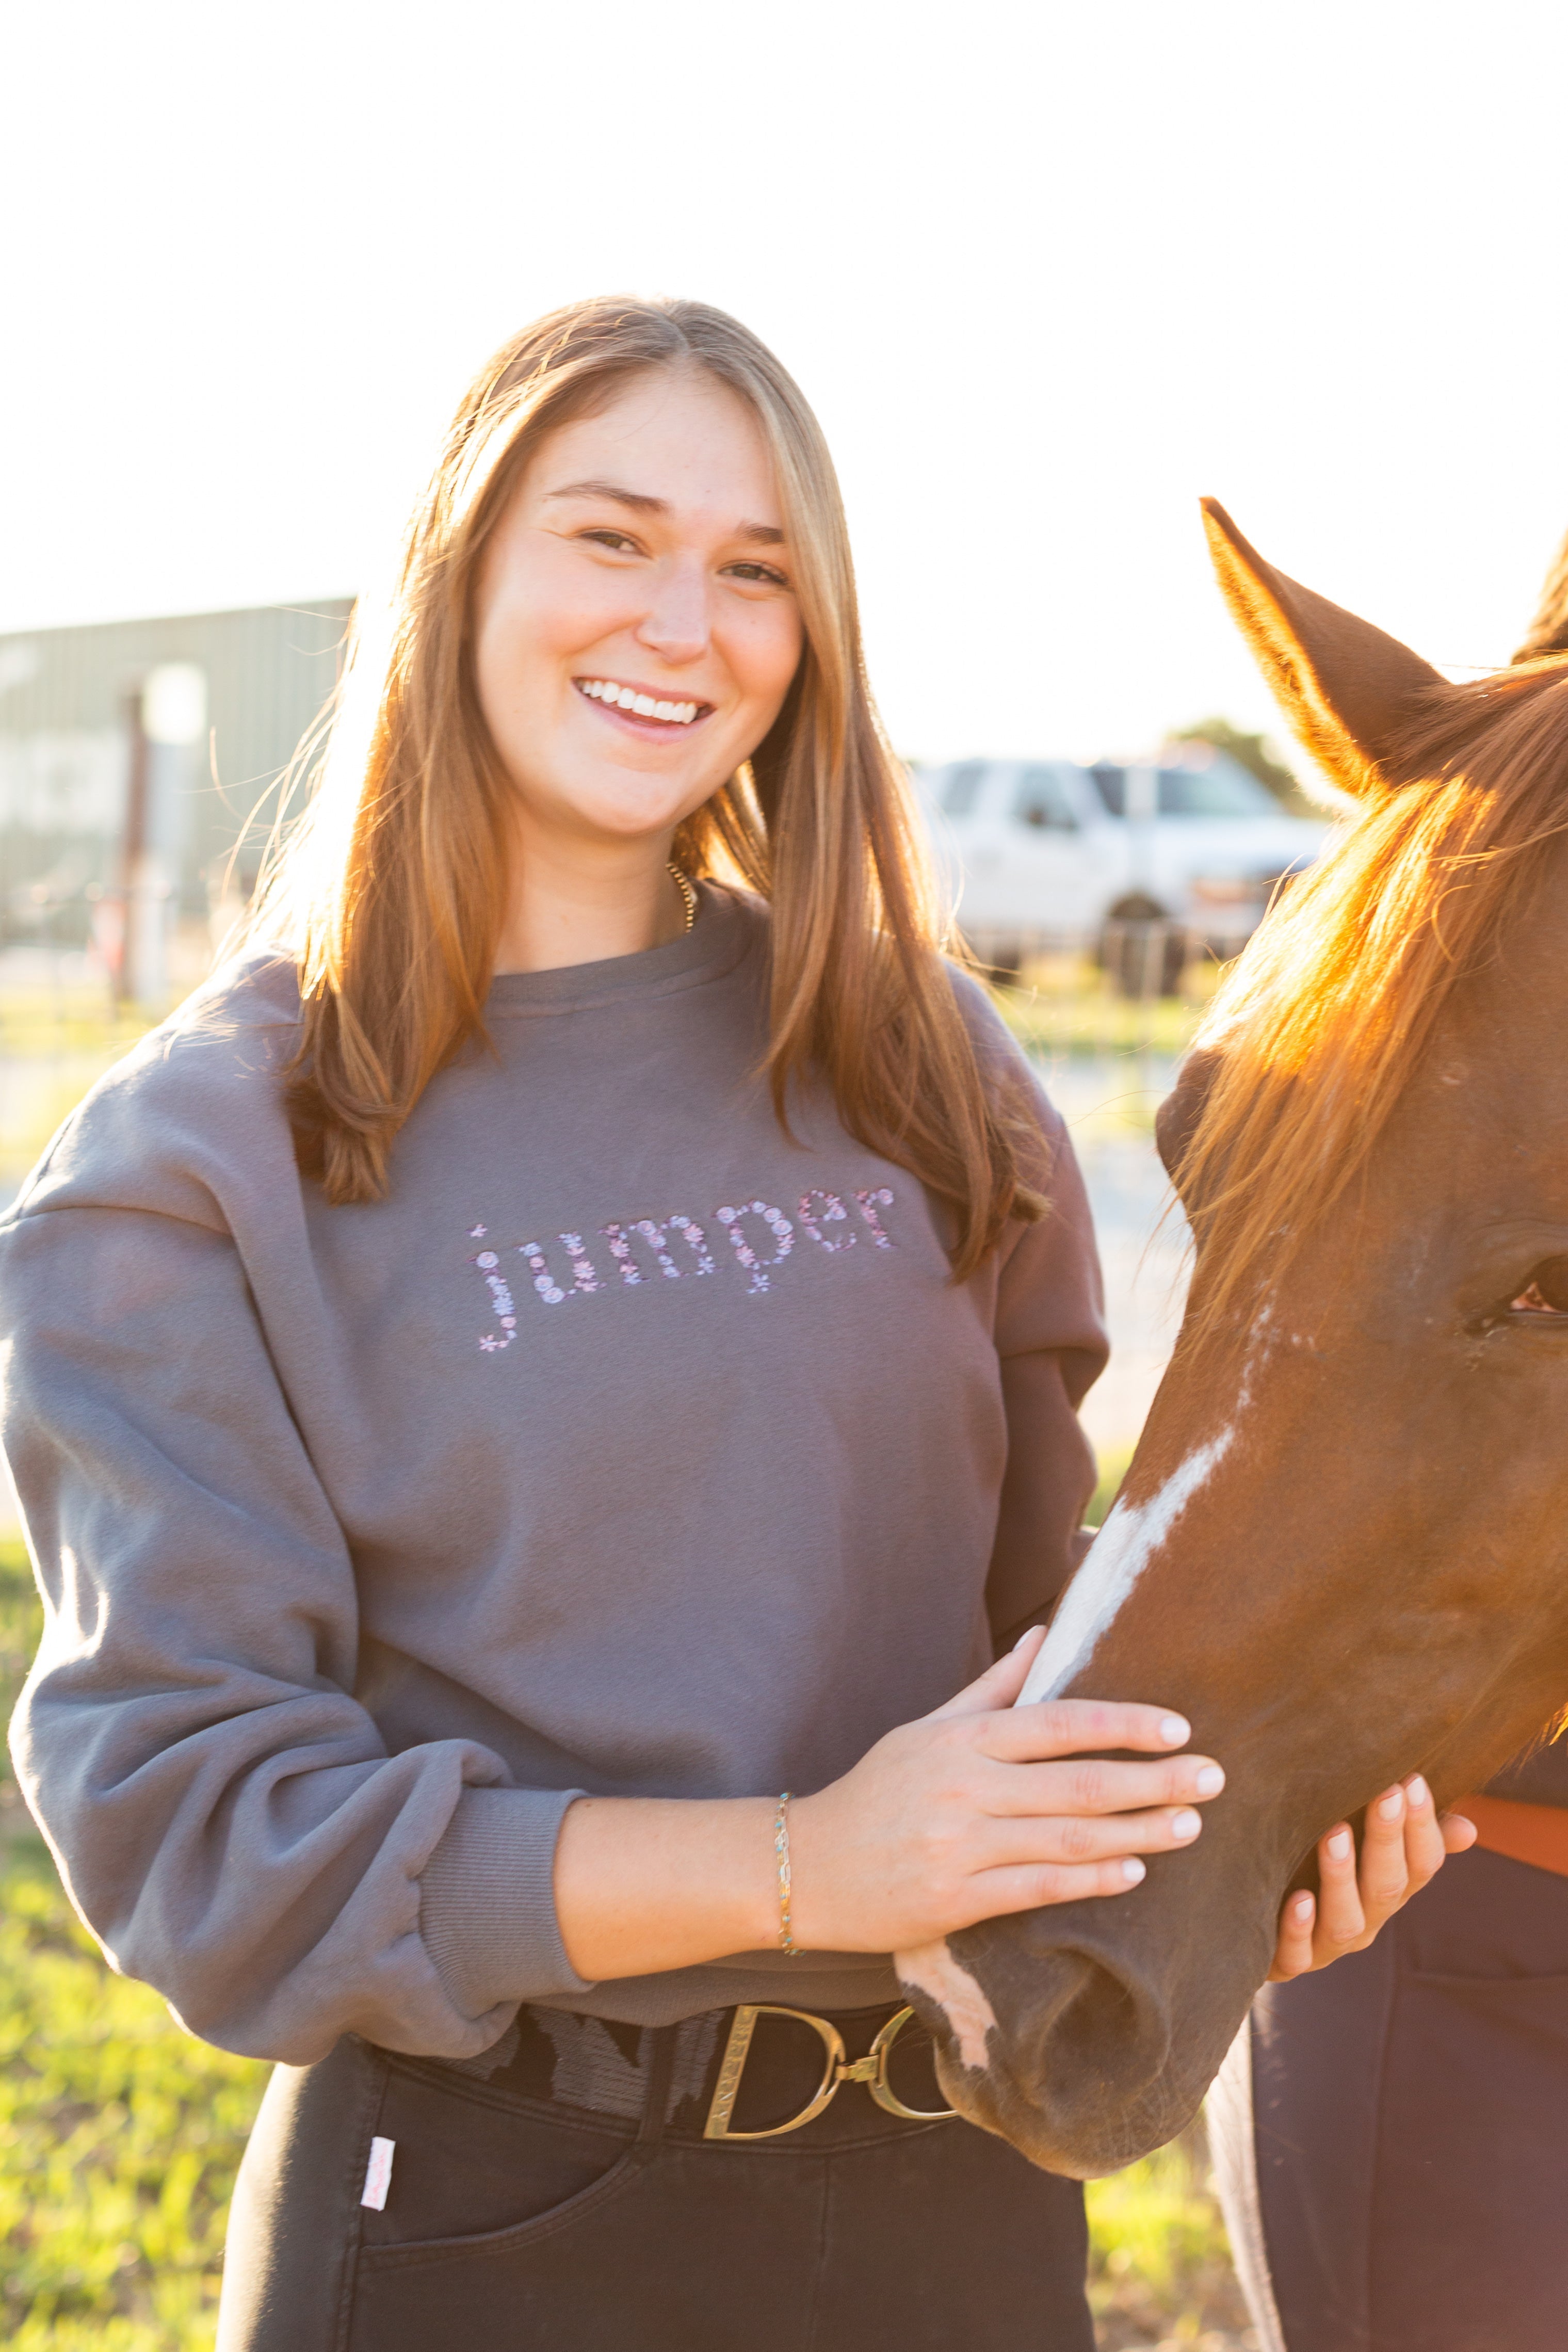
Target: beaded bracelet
x: 781, y: 1848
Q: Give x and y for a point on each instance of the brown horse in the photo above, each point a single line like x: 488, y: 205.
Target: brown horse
x: 1342, y: 1547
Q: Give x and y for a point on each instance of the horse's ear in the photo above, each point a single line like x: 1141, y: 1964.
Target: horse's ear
x: 1344, y: 687
x: 1549, y: 630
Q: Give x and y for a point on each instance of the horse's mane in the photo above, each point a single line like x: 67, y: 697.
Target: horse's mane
x: 1318, y: 1027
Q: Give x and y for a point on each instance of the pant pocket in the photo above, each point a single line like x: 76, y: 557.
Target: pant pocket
x: 469, y: 2172
x: 672, y: 2250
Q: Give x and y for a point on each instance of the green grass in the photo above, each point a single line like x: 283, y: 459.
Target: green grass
x: 36, y: 1023
x: 1114, y: 1461
x: 1061, y: 1004
x: 51, y: 1052
x: 119, y: 2134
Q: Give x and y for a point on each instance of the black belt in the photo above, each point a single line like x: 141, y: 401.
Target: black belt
x: 696, y: 2074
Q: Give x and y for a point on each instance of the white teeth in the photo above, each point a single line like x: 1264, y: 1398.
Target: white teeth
x: 625, y: 698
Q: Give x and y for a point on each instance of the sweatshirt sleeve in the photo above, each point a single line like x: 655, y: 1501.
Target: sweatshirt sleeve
x: 1051, y: 1346
x: 225, y: 1813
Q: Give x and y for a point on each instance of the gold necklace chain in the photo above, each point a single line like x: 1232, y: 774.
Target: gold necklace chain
x: 683, y: 883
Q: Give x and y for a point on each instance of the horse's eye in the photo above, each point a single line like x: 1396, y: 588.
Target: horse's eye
x: 1546, y: 1292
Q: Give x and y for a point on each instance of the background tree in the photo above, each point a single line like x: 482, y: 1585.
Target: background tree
x: 1255, y: 753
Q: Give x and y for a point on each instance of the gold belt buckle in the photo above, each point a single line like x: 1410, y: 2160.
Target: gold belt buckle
x: 871, y: 2070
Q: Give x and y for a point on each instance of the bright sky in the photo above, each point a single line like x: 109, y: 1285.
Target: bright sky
x: 1047, y: 272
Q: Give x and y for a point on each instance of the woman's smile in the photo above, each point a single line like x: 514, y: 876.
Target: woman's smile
x: 641, y: 707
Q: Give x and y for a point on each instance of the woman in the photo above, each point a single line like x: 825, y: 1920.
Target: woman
x: 576, y: 1340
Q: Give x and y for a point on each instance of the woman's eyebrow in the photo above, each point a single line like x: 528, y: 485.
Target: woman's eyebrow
x: 639, y: 499
x: 758, y: 534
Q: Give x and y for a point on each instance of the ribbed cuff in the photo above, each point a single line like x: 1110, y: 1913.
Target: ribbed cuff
x: 487, y: 1900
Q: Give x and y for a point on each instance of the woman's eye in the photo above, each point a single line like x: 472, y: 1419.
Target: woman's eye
x: 764, y: 572
x: 1545, y: 1294
x: 616, y: 541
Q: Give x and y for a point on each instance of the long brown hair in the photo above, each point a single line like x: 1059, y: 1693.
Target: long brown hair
x: 391, y: 892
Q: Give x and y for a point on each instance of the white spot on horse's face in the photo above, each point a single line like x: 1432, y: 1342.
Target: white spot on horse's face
x: 1121, y: 1552
x: 933, y: 1970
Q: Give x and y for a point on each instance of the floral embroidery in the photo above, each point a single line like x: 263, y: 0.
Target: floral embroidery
x: 500, y: 1299
x: 545, y: 1283
x: 692, y: 1234
x: 620, y: 1249
x: 832, y: 1212
x: 582, y: 1272
x: 783, y: 1232
x: 869, y: 1204
x: 818, y: 1211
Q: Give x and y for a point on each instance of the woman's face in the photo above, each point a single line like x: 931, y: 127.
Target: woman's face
x: 641, y: 556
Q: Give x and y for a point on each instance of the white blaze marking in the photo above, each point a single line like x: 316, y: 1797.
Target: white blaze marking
x: 1124, y: 1547
x: 1121, y: 1550
x: 933, y: 1970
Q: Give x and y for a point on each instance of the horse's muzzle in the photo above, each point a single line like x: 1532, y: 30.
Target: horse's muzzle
x: 1084, y: 2072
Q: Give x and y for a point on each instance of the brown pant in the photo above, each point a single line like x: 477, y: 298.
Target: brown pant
x: 513, y: 2220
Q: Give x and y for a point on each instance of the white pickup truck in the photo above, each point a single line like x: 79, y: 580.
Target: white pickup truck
x: 1045, y: 854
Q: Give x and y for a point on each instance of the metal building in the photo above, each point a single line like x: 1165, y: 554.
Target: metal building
x: 135, y: 757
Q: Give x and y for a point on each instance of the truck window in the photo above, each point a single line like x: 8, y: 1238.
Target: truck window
x: 1110, y: 783
x: 1221, y: 788
x: 1043, y: 801
x: 963, y: 788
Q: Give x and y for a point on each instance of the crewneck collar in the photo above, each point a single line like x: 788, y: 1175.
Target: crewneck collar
x: 727, y: 928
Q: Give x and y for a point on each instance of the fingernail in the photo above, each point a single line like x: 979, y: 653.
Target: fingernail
x: 1340, y: 1844
x: 1175, y: 1730
x: 1210, y: 1781
x: 1417, y: 1791
x: 1186, y: 1823
x: 1131, y: 1869
x: 1302, y: 1906
x: 1023, y: 1637
x: 1389, y: 1808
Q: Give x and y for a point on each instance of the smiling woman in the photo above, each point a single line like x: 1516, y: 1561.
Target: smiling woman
x: 532, y: 1394
x: 633, y: 498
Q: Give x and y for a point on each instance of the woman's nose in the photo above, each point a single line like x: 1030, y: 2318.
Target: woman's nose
x: 676, y: 624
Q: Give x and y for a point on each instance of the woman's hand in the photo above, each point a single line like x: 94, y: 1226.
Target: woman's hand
x: 978, y: 1809
x: 1404, y: 1846
x: 982, y: 1808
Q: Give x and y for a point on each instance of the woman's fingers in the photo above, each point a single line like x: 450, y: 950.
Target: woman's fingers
x: 1341, y: 1921
x: 1028, y: 1886
x: 1423, y: 1840
x: 1070, y: 1727
x: 1459, y: 1832
x: 1383, y: 1880
x: 1097, y: 1784
x: 999, y: 1686
x: 1294, y: 1953
x: 1071, y: 1838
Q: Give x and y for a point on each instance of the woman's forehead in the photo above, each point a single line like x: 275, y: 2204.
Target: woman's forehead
x: 678, y: 436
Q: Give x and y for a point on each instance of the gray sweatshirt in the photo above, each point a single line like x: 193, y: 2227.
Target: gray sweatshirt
x: 629, y: 1447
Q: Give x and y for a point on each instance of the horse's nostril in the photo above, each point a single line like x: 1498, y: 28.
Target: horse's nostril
x: 1080, y: 2073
